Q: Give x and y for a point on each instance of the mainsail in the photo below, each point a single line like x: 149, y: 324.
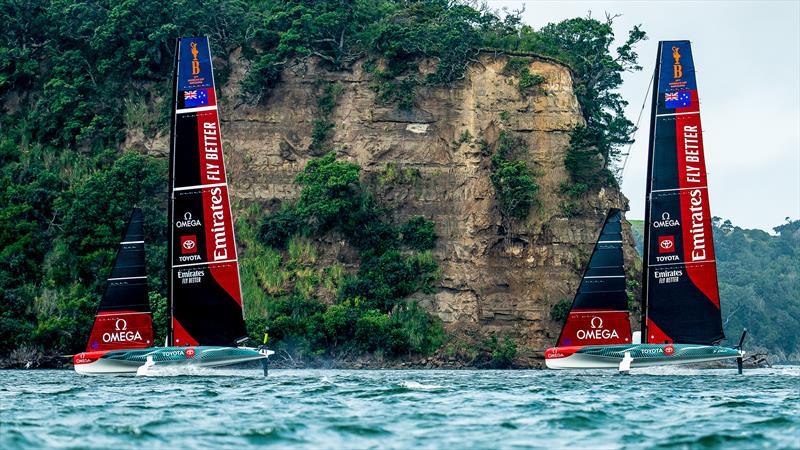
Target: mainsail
x: 599, y: 313
x: 681, y: 301
x: 123, y: 319
x: 205, y: 294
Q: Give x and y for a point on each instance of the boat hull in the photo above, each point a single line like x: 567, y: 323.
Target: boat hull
x: 644, y: 355
x: 121, y: 362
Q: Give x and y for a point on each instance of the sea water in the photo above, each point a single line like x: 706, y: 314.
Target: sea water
x: 237, y: 409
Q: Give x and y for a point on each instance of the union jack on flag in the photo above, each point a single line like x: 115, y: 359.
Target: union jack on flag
x: 193, y: 94
x: 667, y: 97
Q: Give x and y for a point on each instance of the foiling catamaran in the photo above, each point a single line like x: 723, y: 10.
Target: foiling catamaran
x: 681, y: 319
x: 205, y: 299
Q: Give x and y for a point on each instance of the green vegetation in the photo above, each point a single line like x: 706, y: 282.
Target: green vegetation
x: 394, y: 175
x: 758, y: 282
x: 503, y: 353
x: 418, y: 233
x: 512, y: 179
x: 560, y: 310
x: 528, y: 82
x: 584, y: 44
x: 572, y: 194
x: 59, y: 242
x: 369, y: 310
x: 322, y: 127
x: 758, y: 277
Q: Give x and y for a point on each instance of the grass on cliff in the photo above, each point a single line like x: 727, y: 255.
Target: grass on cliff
x: 328, y: 311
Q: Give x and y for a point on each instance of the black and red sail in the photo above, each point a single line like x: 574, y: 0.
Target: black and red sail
x: 123, y: 319
x: 599, y: 312
x: 205, y: 295
x: 681, y: 299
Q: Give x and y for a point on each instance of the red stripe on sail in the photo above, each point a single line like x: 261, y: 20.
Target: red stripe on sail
x: 655, y: 335
x: 121, y: 330
x: 689, y: 142
x: 585, y: 327
x: 181, y: 336
x: 220, y: 240
x: 227, y: 276
x: 698, y: 246
x: 212, y: 96
x: 209, y: 146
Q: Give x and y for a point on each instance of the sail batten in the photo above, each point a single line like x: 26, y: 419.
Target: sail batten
x: 681, y: 297
x: 205, y: 292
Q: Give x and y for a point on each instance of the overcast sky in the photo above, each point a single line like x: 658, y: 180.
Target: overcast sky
x: 747, y: 56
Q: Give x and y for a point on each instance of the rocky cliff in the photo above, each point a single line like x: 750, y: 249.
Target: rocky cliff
x: 496, y: 276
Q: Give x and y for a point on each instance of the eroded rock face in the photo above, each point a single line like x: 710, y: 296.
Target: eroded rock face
x: 495, y: 276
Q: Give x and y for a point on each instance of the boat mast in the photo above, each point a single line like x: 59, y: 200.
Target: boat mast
x: 170, y: 212
x: 648, y: 193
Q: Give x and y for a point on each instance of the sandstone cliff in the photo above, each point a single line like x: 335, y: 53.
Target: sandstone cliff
x: 494, y: 279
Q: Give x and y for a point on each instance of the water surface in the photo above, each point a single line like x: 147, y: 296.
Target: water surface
x: 664, y: 408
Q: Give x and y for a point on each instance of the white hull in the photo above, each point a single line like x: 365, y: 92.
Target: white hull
x: 588, y: 361
x: 107, y: 367
x: 116, y: 366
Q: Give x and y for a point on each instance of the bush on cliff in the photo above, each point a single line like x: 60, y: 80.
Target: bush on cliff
x: 371, y: 311
x: 513, y: 181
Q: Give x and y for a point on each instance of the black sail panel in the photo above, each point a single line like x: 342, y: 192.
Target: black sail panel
x: 599, y: 312
x: 123, y: 318
x: 205, y: 295
x: 681, y: 298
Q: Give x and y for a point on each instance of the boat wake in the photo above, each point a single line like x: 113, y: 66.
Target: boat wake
x: 693, y: 372
x: 419, y: 386
x: 194, y: 371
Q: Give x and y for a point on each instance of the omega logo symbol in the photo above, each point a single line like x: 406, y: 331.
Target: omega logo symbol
x: 665, y: 216
x: 188, y: 221
x: 121, y: 333
x: 597, y: 331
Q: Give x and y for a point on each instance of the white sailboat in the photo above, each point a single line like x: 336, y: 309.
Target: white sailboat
x: 681, y: 320
x: 207, y: 324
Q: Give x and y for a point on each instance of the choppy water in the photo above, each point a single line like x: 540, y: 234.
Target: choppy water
x: 671, y: 408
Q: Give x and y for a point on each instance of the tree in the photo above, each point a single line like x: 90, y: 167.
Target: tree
x: 585, y: 45
x: 331, y: 190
